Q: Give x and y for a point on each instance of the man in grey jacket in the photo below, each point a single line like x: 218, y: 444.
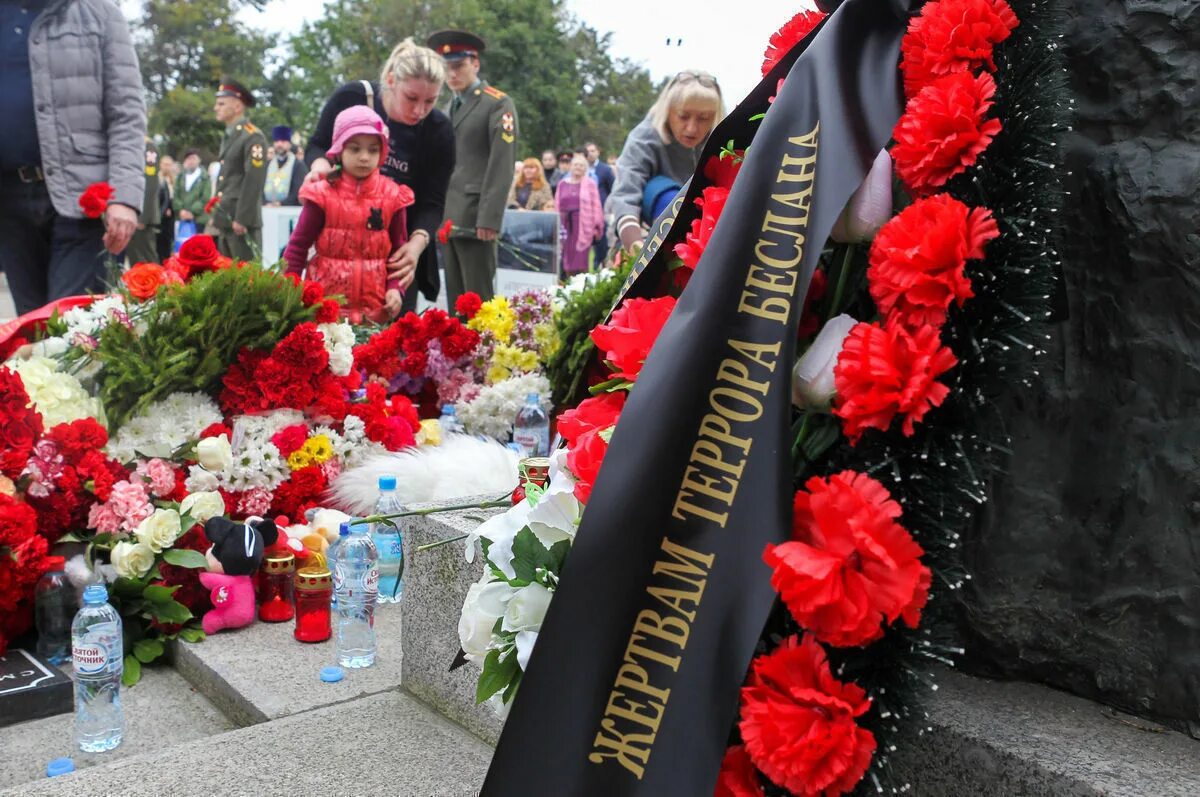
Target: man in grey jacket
x: 71, y: 100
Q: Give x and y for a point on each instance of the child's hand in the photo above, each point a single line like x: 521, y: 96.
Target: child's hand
x: 392, y: 300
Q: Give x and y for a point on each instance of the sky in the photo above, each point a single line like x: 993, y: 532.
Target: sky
x: 681, y: 34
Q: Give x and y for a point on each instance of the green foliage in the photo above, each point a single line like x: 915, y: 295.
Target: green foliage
x: 580, y: 314
x: 499, y: 672
x: 185, y: 340
x: 184, y: 557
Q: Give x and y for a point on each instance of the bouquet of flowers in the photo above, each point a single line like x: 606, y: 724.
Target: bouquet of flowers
x: 517, y: 335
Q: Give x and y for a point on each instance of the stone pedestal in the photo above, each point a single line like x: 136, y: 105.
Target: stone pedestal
x: 435, y: 583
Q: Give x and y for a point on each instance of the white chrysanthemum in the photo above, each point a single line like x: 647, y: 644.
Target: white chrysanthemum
x: 164, y: 426
x: 58, y: 397
x: 493, y: 411
x: 94, y: 317
x: 339, y: 342
x: 256, y: 461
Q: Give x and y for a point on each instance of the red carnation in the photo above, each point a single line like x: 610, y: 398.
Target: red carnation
x: 849, y: 568
x: 468, y: 305
x: 20, y: 424
x: 459, y: 342
x: 919, y: 258
x: 290, y: 438
x: 943, y: 130
x: 18, y: 521
x: 797, y: 722
x: 723, y: 169
x: 95, y: 198
x: 627, y: 338
x: 314, y: 293
x: 198, y: 253
x: 787, y: 37
x: 952, y: 36
x: 328, y: 312
x: 216, y: 430
x: 738, y: 777
x: 443, y: 233
x: 212, y: 203
x: 711, y: 202
x: 884, y: 371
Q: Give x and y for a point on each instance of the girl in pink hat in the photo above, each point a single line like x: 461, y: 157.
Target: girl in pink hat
x: 356, y: 219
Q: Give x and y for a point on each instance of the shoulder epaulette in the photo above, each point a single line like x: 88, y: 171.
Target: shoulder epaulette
x: 494, y: 93
x: 250, y: 128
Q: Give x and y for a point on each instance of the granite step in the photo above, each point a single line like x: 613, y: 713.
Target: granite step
x: 386, y: 743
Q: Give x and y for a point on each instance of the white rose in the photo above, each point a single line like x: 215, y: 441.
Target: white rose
x: 812, y: 378
x: 200, y: 480
x: 527, y: 608
x: 159, y: 531
x: 214, y: 453
x: 485, y: 603
x: 132, y: 560
x: 202, y: 506
x: 525, y: 642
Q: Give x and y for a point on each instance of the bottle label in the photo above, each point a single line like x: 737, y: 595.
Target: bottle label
x: 89, y: 657
x: 372, y: 582
x: 534, y: 442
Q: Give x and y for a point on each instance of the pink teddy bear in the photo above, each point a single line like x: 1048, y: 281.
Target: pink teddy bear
x: 236, y: 553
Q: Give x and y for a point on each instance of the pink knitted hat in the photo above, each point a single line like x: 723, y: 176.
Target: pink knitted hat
x: 354, y: 121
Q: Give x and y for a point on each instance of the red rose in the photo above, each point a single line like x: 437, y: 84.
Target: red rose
x: 919, y: 258
x: 738, y: 777
x: 943, y: 130
x: 787, y: 37
x: 592, y: 415
x: 584, y: 459
x: 884, y: 371
x: 198, y: 253
x: 711, y: 202
x: 468, y: 304
x: 18, y: 521
x: 328, y: 312
x: 143, y: 280
x: 628, y: 337
x: 952, y: 36
x: 443, y: 233
x: 849, y: 568
x: 797, y: 722
x: 723, y: 169
x: 290, y: 438
x: 95, y: 198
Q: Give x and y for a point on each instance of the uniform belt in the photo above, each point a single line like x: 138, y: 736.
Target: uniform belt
x: 24, y: 174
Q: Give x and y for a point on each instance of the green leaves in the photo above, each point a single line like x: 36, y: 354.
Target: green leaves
x: 183, y: 557
x: 131, y: 672
x: 580, y: 314
x: 529, y: 555
x: 147, y: 650
x: 498, y: 673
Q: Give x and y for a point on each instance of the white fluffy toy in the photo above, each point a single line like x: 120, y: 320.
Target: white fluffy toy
x: 462, y: 466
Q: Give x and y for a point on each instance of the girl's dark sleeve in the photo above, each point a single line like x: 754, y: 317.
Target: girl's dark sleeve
x: 346, y: 96
x: 438, y: 155
x: 304, y: 235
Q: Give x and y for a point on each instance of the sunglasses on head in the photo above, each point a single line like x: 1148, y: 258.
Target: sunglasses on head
x: 703, y: 78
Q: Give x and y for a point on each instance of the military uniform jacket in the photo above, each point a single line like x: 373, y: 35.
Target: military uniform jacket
x: 193, y: 201
x: 243, y: 174
x: 151, y: 215
x: 485, y: 136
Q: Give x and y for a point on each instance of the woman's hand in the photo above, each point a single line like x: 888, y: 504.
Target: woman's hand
x: 403, y: 262
x: 392, y: 301
x: 319, y: 169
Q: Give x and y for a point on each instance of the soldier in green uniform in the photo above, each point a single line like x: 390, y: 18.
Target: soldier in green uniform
x: 238, y: 213
x: 143, y: 246
x: 485, y: 135
x: 192, y: 191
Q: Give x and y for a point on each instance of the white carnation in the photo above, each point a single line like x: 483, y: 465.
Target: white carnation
x: 58, y: 397
x: 339, y: 342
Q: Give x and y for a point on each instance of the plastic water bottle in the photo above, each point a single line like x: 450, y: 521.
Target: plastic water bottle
x: 98, y: 657
x: 54, y: 607
x: 449, y: 421
x: 388, y: 542
x: 531, y: 431
x: 356, y: 585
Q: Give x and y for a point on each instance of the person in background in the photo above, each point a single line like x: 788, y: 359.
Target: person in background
x: 529, y: 190
x: 355, y: 218
x: 485, y: 134
x: 214, y: 172
x: 549, y: 165
x: 580, y: 215
x: 52, y: 150
x: 285, y: 172
x: 420, y: 153
x: 168, y: 170
x: 143, y: 246
x: 193, y: 189
x: 602, y: 173
x: 666, y: 144
x: 238, y: 212
x: 561, y: 170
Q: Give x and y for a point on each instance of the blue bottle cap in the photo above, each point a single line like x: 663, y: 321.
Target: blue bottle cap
x: 344, y: 530
x: 59, y: 766
x: 387, y: 482
x: 532, y: 398
x: 95, y: 593
x: 331, y: 675
x: 447, y: 409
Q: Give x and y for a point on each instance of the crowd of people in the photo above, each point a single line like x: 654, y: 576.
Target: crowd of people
x: 376, y: 179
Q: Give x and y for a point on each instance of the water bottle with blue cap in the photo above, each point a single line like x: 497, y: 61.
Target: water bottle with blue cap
x: 355, y: 572
x: 389, y: 542
x: 98, y: 656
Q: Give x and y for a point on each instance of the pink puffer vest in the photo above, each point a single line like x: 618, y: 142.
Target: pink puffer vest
x: 353, y: 246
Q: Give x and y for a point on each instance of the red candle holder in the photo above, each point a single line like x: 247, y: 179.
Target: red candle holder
x: 275, y: 589
x: 314, y: 597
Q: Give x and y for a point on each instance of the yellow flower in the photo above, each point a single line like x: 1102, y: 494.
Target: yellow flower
x: 318, y: 448
x: 527, y: 361
x: 494, y: 316
x: 299, y: 459
x: 430, y: 433
x: 497, y: 373
x: 547, y: 340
